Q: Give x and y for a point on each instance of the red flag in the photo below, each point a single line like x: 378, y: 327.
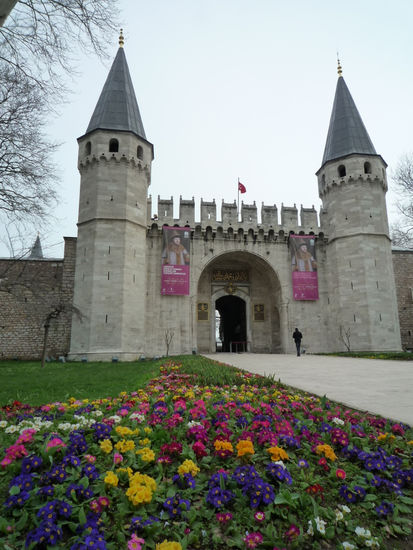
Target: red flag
x: 242, y: 187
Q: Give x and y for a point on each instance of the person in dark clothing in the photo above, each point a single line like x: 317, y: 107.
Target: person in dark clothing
x: 297, y: 339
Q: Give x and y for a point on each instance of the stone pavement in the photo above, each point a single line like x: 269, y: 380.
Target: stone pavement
x: 380, y: 387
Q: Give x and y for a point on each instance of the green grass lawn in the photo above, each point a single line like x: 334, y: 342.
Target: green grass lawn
x: 389, y: 356
x: 27, y: 382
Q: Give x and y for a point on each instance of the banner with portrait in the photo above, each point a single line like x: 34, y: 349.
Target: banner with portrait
x: 304, y: 267
x: 175, y: 260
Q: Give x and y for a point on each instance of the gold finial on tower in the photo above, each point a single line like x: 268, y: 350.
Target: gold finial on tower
x: 121, y: 39
x: 339, y: 69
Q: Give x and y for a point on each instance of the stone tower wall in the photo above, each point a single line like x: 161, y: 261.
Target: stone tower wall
x: 110, y: 285
x: 403, y: 271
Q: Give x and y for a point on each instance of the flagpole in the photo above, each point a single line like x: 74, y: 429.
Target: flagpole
x: 238, y: 203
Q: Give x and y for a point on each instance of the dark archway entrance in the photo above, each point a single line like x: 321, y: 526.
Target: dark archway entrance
x: 233, y: 326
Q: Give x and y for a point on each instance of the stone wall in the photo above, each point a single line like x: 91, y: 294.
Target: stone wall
x: 29, y: 291
x: 403, y: 274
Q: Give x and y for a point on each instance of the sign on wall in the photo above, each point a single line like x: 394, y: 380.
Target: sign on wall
x: 304, y: 267
x: 175, y: 260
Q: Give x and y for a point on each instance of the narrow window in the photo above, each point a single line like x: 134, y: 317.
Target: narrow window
x: 88, y: 148
x: 352, y: 287
x: 354, y: 316
x: 166, y: 213
x: 341, y: 170
x: 109, y: 250
x: 323, y: 179
x: 349, y: 263
x: 367, y: 168
x: 113, y: 146
x: 380, y: 316
x: 139, y: 152
x: 377, y: 283
x: 108, y: 275
x: 106, y: 318
x: 134, y: 277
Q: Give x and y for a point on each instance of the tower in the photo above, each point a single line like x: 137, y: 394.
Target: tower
x: 110, y: 280
x: 352, y: 186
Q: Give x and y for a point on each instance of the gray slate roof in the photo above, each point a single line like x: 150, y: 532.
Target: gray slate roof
x: 36, y: 252
x: 117, y: 108
x: 346, y: 133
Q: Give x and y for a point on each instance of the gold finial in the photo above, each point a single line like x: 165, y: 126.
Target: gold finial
x: 339, y: 69
x: 121, y: 39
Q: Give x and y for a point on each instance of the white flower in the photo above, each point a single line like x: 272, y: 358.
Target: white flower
x: 11, y: 429
x: 310, y: 530
x: 344, y: 508
x: 281, y: 463
x: 348, y: 546
x: 3, y: 423
x: 139, y: 417
x: 193, y: 423
x: 338, y: 421
x: 115, y: 418
x: 339, y: 515
x: 372, y: 543
x: 361, y: 532
x: 321, y: 525
x: 99, y: 413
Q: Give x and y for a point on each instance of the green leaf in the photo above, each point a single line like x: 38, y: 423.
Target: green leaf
x: 14, y: 490
x: 82, y: 516
x: 330, y: 532
x: 406, y: 500
x: 22, y: 521
x: 370, y: 497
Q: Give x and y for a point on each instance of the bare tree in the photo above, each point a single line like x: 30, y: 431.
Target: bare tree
x: 26, y: 171
x: 38, y: 44
x: 402, y: 231
x: 169, y: 336
x: 345, y: 336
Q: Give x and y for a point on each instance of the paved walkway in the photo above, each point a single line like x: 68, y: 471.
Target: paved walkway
x: 381, y: 387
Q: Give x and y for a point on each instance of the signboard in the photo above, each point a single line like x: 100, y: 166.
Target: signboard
x: 175, y: 260
x: 304, y: 267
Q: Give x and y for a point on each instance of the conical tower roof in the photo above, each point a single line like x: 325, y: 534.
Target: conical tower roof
x: 117, y: 108
x: 346, y: 133
x: 36, y: 252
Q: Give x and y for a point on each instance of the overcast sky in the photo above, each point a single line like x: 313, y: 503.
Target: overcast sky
x: 232, y: 89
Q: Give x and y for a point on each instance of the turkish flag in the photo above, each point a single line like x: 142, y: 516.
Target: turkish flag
x: 242, y: 187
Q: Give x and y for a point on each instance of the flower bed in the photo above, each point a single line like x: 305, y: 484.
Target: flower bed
x: 179, y: 465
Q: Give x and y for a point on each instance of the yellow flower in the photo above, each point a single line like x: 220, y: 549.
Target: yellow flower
x: 106, y: 446
x: 125, y: 445
x: 123, y: 430
x: 381, y: 437
x: 277, y: 453
x: 146, y: 454
x: 327, y: 451
x: 128, y: 470
x: 145, y: 442
x: 188, y: 467
x: 245, y: 447
x: 111, y: 479
x: 166, y: 545
x: 410, y: 442
x: 223, y: 445
x: 147, y: 430
x: 141, y: 488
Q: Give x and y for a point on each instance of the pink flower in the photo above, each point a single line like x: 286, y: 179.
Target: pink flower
x: 341, y: 474
x: 135, y: 543
x: 259, y: 516
x: 123, y: 412
x: 252, y: 540
x: 103, y: 502
x: 292, y: 532
x: 117, y: 458
x: 90, y: 458
x: 55, y: 442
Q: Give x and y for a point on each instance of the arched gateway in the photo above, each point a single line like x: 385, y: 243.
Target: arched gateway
x: 244, y: 292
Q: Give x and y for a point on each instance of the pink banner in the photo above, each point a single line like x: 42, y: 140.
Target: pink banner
x: 175, y: 260
x: 304, y: 267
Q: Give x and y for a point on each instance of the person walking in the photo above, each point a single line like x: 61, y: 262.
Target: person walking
x: 297, y: 336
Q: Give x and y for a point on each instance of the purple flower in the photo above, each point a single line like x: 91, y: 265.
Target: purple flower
x: 384, y: 509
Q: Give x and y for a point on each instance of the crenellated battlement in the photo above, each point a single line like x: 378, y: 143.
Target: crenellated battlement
x: 305, y: 220
x: 87, y: 161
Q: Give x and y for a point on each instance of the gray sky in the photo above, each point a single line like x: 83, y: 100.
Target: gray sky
x: 235, y: 88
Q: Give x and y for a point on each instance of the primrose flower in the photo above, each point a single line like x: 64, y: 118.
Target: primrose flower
x: 245, y: 447
x: 111, y: 479
x: 224, y: 517
x: 252, y: 540
x: 166, y: 545
x: 135, y: 542
x: 302, y: 463
x: 327, y: 451
x: 277, y: 453
x: 56, y: 442
x: 106, y: 446
x: 188, y: 467
x: 341, y: 474
x: 259, y: 516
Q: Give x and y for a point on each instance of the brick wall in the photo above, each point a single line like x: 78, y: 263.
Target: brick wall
x: 403, y: 273
x: 29, y: 291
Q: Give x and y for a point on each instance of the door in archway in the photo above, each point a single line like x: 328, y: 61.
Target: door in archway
x: 233, y: 325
